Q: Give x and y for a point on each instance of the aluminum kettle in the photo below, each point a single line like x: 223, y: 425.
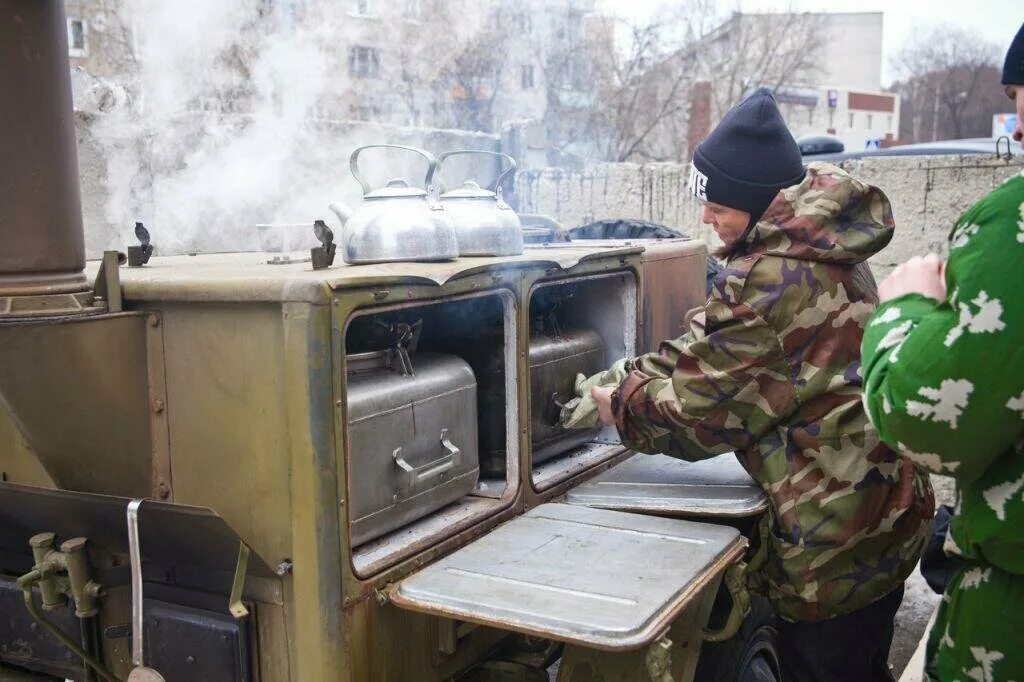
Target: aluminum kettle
x: 484, y: 224
x: 397, y: 222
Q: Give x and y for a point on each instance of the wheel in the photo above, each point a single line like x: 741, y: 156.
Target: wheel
x: 750, y: 656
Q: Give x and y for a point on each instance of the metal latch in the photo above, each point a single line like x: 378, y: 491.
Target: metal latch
x: 323, y: 255
x: 139, y: 255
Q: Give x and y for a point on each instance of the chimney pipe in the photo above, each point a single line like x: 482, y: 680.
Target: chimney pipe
x: 42, y: 245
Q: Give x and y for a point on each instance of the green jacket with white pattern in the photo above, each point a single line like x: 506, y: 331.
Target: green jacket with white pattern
x: 944, y: 381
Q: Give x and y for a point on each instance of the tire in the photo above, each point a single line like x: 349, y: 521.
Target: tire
x: 750, y: 656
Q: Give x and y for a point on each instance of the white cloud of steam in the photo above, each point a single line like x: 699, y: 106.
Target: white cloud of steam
x: 201, y: 181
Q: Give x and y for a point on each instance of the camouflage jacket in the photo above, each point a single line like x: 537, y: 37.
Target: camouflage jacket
x: 771, y: 370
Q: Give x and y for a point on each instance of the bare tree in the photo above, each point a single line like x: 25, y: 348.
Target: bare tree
x: 474, y: 73
x: 775, y: 51
x: 646, y: 79
x: 948, y: 80
x: 620, y: 90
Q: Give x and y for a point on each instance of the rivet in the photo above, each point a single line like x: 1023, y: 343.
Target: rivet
x: 158, y: 405
x: 154, y: 320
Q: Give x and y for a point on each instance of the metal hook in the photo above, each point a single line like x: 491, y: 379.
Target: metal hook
x: 1009, y: 148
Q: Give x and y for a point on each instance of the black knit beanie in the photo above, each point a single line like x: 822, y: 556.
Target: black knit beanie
x: 747, y: 158
x: 1013, y: 67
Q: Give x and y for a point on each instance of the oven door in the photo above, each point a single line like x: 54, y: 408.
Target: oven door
x: 718, y: 487
x: 591, y: 577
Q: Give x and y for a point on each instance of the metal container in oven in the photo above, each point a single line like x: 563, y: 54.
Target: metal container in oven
x: 412, y: 437
x: 555, y: 360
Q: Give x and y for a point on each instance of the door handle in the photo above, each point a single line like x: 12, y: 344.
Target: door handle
x: 412, y: 476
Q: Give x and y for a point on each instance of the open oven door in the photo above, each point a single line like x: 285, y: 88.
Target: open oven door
x: 603, y: 582
x: 716, y: 490
x: 657, y: 484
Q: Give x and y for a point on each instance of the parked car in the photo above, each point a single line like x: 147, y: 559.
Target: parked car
x: 820, y: 144
x: 976, y: 145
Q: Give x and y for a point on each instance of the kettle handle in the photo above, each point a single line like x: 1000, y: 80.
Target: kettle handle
x: 353, y: 164
x: 496, y: 187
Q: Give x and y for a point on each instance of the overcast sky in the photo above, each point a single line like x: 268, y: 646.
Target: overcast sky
x: 997, y: 20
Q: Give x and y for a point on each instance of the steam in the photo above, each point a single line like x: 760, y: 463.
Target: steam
x: 201, y: 179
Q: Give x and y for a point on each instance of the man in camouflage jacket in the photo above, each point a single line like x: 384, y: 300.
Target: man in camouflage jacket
x: 770, y: 369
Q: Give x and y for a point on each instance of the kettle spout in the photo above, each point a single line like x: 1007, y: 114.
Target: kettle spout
x: 343, y: 212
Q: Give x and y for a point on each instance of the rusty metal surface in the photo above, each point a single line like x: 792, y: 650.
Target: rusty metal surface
x: 170, y: 534
x: 673, y: 283
x: 160, y: 468
x: 228, y: 396
x: 17, y: 461
x: 581, y: 664
x: 658, y: 484
x: 579, y: 460
x: 76, y: 389
x: 41, y: 215
x: 247, y: 277
x: 592, y: 577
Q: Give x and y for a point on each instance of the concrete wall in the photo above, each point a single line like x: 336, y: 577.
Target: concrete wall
x: 928, y: 194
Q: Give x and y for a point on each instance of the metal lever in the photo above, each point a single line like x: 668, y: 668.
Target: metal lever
x: 414, y: 475
x: 140, y: 673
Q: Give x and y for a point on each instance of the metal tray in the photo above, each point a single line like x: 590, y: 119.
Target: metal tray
x: 593, y: 577
x: 658, y: 484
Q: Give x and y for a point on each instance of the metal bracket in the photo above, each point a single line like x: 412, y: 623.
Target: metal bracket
x: 735, y: 581
x: 659, y: 660
x: 108, y: 281
x: 235, y: 605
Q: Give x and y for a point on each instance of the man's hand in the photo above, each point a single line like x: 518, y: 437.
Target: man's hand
x: 602, y: 395
x: 925, y: 276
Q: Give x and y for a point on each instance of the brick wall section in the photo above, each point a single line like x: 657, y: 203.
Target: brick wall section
x: 869, y: 102
x: 928, y: 194
x: 699, y: 124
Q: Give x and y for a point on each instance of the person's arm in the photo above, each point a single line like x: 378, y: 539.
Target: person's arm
x: 714, y: 390
x: 944, y: 379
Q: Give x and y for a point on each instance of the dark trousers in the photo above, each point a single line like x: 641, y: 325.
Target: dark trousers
x: 853, y: 647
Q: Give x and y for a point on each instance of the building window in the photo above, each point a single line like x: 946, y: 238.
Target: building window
x: 851, y: 119
x: 363, y: 8
x: 870, y: 121
x: 527, y: 77
x: 363, y: 62
x: 76, y: 38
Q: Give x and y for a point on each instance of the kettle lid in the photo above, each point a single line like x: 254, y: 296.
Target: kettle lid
x: 394, y: 189
x: 469, y: 190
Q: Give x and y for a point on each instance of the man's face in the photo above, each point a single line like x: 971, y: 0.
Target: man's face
x: 1016, y: 93
x: 728, y: 223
